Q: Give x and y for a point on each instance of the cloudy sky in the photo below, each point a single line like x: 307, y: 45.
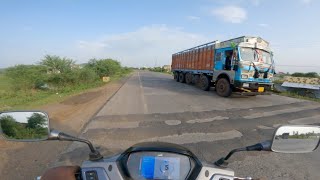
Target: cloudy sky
x: 147, y: 32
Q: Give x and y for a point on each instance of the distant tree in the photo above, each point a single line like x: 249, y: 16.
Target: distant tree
x: 312, y: 75
x: 56, y: 64
x: 8, y: 126
x: 34, y: 129
x: 157, y: 69
x: 36, y: 120
x: 297, y: 74
x: 309, y: 74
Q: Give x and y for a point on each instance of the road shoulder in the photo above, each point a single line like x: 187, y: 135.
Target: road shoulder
x: 70, y: 115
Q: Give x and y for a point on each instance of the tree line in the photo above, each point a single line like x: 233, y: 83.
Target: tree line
x: 308, y: 74
x: 36, y: 127
x: 54, y: 72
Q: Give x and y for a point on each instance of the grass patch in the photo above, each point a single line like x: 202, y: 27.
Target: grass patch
x: 278, y: 81
x: 295, y: 95
x: 52, y: 80
x: 4, y: 83
x: 163, y: 72
x: 167, y: 73
x: 31, y: 99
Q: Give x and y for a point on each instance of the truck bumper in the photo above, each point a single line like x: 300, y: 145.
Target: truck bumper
x: 253, y: 88
x: 251, y: 93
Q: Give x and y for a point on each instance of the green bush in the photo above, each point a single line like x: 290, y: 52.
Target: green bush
x: 62, y: 79
x: 72, y: 78
x: 25, y: 84
x: 56, y: 64
x: 87, y: 75
x: 55, y: 72
x: 56, y: 80
x: 24, y: 77
x: 126, y: 70
x: 157, y: 69
x: 105, y: 67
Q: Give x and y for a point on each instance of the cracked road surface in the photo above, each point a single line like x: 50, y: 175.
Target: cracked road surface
x: 153, y: 107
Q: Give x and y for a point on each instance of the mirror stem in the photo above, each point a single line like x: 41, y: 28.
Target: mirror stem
x: 67, y: 137
x: 264, y: 146
x: 221, y: 161
x: 57, y: 135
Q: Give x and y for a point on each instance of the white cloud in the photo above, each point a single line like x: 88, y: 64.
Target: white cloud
x: 143, y: 47
x: 232, y: 14
x: 193, y: 18
x: 91, y: 45
x: 256, y: 2
x: 306, y: 1
x: 263, y: 25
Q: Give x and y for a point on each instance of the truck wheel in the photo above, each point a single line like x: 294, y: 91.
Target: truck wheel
x: 176, y: 76
x: 223, y: 87
x: 204, y: 83
x: 195, y: 79
x: 188, y: 78
x: 182, y: 78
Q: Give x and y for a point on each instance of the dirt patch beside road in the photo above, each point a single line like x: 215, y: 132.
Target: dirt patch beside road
x: 27, y: 160
x: 82, y: 98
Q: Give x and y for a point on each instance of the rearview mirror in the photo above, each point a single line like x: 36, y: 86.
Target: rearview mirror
x: 24, y: 125
x: 296, y: 139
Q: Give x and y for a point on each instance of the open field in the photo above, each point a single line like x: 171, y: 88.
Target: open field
x: 31, y: 99
x: 4, y: 83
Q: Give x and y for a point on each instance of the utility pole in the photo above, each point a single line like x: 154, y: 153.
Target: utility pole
x: 155, y: 62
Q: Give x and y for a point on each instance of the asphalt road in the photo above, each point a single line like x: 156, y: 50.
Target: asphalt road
x: 153, y: 107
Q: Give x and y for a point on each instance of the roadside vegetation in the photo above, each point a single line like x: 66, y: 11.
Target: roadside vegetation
x: 159, y: 69
x: 296, y: 95
x: 25, y: 86
x: 308, y: 75
x: 279, y: 78
x: 311, y: 78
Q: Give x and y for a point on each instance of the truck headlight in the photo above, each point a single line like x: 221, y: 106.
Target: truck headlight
x: 244, y: 76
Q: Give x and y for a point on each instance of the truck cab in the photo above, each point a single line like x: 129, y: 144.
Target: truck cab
x: 246, y: 63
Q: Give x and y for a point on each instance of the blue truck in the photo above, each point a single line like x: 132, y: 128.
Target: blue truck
x: 243, y: 65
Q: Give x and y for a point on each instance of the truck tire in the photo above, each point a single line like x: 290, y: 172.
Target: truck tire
x: 204, y: 83
x: 182, y: 78
x: 188, y: 78
x: 195, y: 79
x: 223, y: 87
x: 176, y: 76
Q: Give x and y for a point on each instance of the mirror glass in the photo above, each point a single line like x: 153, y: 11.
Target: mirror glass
x: 26, y: 126
x: 296, y: 139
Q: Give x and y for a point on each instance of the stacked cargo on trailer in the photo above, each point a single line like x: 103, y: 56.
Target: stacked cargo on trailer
x: 243, y: 65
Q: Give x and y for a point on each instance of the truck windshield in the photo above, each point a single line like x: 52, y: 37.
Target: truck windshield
x: 255, y: 55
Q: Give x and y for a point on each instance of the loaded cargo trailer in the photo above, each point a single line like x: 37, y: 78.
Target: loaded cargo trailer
x: 242, y: 65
